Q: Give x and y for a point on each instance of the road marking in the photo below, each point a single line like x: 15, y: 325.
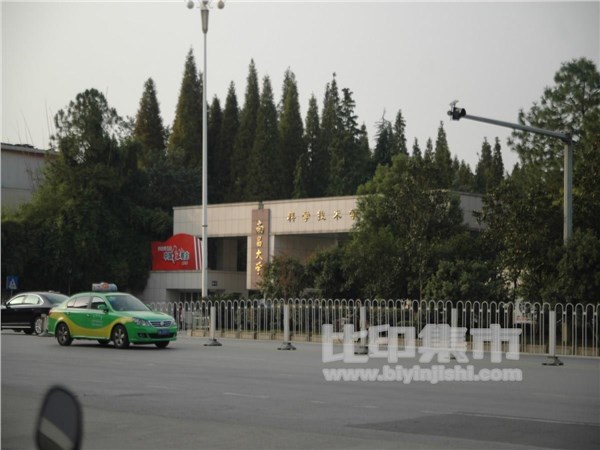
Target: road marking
x: 318, y: 402
x: 531, y: 419
x: 237, y: 394
x: 365, y: 406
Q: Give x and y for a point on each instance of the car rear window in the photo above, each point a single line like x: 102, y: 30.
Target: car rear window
x: 55, y: 299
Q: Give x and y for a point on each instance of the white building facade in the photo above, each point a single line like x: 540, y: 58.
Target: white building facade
x: 242, y: 237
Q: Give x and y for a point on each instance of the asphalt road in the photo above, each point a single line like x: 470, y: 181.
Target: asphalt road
x: 247, y: 394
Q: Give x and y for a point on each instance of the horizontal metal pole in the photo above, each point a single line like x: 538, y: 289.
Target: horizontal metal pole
x: 515, y: 126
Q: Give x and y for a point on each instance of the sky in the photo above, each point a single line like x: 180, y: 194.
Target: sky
x: 496, y: 58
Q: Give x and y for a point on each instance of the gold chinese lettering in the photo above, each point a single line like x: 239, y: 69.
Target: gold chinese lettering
x: 337, y: 215
x: 260, y: 228
x: 291, y: 217
x: 321, y: 215
x: 306, y: 216
x: 353, y: 214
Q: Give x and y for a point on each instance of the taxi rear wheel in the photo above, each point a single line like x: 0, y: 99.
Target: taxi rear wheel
x: 63, y: 335
x: 119, y: 337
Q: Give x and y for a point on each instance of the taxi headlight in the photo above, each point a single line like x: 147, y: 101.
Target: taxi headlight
x: 141, y: 322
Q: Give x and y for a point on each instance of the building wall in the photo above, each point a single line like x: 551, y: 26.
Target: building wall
x: 21, y: 173
x: 295, y: 228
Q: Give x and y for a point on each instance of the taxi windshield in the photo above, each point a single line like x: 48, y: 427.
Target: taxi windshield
x: 126, y: 302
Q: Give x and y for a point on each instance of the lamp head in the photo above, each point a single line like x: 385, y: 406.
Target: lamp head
x: 190, y: 4
x: 221, y: 4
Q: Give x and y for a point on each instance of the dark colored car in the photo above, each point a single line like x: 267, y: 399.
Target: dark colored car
x: 25, y: 311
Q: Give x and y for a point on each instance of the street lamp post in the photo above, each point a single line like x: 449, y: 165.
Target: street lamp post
x: 204, y: 9
x: 456, y: 113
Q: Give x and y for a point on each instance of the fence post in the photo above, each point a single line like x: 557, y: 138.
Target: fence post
x: 552, y: 342
x: 44, y: 332
x: 453, y: 327
x: 287, y: 345
x: 362, y: 348
x: 212, y: 341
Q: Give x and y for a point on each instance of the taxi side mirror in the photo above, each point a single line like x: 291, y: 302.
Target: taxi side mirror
x: 60, y: 422
x: 103, y: 308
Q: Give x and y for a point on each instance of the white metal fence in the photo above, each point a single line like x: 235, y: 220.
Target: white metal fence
x: 576, y: 328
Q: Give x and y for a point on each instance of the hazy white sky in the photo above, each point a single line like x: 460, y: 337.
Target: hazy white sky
x: 496, y: 58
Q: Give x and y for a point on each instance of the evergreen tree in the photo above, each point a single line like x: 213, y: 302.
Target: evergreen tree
x: 229, y: 131
x: 497, y: 164
x: 149, y: 129
x: 443, y: 159
x: 216, y: 161
x: 428, y: 155
x: 399, y: 135
x: 350, y: 160
x: 330, y: 130
x: 416, y: 150
x: 265, y: 181
x: 92, y: 196
x: 464, y: 178
x: 185, y: 142
x: 292, y: 133
x: 311, y: 170
x: 385, y: 143
x: 245, y: 136
x: 484, y: 169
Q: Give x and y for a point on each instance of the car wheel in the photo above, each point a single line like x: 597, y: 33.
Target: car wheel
x: 63, y: 335
x: 162, y: 344
x: 119, y: 337
x: 103, y: 342
x: 38, y: 325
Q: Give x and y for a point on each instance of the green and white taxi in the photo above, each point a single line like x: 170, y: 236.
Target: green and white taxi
x: 106, y: 315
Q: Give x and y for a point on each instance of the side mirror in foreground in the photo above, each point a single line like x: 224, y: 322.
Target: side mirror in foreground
x: 60, y: 423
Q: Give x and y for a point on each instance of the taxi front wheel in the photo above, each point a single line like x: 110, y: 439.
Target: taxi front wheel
x: 119, y: 337
x: 63, y: 335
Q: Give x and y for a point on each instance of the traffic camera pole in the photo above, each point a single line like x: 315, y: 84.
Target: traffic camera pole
x: 456, y: 113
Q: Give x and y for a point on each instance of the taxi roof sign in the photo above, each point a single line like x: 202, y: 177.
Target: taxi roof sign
x: 104, y: 287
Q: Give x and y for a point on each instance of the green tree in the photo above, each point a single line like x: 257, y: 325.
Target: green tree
x: 385, y: 143
x: 399, y: 134
x: 331, y: 128
x: 310, y: 174
x: 265, y: 181
x: 524, y: 215
x: 149, y: 129
x: 185, y: 142
x: 350, y: 160
x: 217, y: 162
x: 328, y: 272
x: 229, y: 130
x: 464, y: 178
x: 291, y: 130
x: 497, y: 164
x: 398, y: 246
x: 283, y: 277
x: 88, y: 219
x: 443, y: 159
x: 416, y: 150
x: 484, y: 170
x: 245, y: 137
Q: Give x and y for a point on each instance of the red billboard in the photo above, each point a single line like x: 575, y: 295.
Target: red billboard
x: 180, y: 252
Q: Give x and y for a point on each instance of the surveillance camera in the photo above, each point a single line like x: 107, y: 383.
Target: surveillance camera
x: 456, y: 113
x: 190, y: 4
x: 221, y: 4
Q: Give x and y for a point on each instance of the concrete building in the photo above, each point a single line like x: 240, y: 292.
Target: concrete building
x: 244, y: 236
x: 21, y: 173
